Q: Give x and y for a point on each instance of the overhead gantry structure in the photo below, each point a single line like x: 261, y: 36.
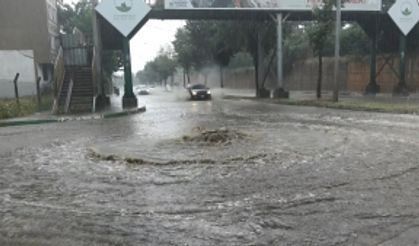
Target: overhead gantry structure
x: 107, y: 37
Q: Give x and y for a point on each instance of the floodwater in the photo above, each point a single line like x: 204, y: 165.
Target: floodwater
x: 300, y: 176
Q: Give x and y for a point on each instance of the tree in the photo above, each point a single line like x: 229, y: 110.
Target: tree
x: 202, y: 43
x: 148, y: 74
x: 247, y: 37
x: 164, y: 66
x: 184, y: 51
x: 160, y: 69
x: 318, y: 33
x: 201, y: 37
x: 223, y: 55
x: 77, y: 16
x: 354, y: 41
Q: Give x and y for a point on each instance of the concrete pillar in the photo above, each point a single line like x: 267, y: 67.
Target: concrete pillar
x: 261, y: 90
x: 372, y: 87
x: 129, y: 99
x: 102, y: 100
x: 401, y: 88
x: 280, y: 91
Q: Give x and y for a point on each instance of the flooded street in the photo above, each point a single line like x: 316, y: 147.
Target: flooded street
x: 295, y: 176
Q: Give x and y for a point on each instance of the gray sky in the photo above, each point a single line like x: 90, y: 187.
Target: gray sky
x: 148, y: 41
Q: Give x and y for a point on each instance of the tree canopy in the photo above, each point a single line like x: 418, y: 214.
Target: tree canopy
x: 160, y: 69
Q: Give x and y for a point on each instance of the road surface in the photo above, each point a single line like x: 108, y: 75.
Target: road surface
x: 295, y: 176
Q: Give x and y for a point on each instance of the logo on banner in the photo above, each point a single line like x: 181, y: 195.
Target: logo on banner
x: 405, y: 13
x: 123, y: 5
x: 406, y: 8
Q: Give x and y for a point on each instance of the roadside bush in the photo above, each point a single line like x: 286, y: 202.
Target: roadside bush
x: 28, y: 105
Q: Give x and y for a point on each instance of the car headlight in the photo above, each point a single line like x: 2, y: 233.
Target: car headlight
x: 209, y: 92
x: 194, y: 93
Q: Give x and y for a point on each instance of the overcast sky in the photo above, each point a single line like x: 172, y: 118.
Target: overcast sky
x: 148, y: 41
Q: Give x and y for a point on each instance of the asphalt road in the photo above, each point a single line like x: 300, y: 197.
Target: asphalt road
x: 295, y: 176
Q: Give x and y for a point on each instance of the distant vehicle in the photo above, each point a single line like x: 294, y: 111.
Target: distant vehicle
x: 142, y: 90
x: 199, y: 91
x: 116, y: 90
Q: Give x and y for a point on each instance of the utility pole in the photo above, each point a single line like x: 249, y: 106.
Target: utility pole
x: 337, y: 49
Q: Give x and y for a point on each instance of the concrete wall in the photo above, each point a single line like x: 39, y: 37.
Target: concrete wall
x: 354, y: 75
x: 359, y: 74
x: 29, y: 25
x: 305, y: 73
x: 13, y: 62
x: 302, y: 77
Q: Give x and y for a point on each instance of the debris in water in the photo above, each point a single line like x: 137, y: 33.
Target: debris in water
x: 223, y: 136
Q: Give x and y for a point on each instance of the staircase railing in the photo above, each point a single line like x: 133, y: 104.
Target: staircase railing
x: 68, y: 97
x: 59, y: 75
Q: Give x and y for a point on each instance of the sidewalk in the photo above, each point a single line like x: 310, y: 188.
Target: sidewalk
x: 386, y: 103
x: 114, y: 111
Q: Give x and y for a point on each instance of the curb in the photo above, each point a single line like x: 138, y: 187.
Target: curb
x: 28, y: 122
x: 69, y: 119
x: 124, y: 113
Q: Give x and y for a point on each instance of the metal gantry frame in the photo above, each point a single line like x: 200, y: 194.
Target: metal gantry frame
x: 117, y: 41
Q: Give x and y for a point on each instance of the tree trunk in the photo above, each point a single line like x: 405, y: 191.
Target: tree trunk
x: 184, y: 78
x: 189, y: 76
x: 221, y: 77
x: 320, y: 76
x: 206, y: 78
x: 256, y: 66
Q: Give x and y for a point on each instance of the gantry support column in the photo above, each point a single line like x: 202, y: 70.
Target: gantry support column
x: 280, y: 91
x: 102, y: 99
x: 401, y: 88
x: 129, y: 99
x: 372, y: 87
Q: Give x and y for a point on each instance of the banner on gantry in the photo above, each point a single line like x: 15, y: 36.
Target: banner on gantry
x: 299, y: 5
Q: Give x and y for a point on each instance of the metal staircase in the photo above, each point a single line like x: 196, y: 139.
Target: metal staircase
x: 74, y: 89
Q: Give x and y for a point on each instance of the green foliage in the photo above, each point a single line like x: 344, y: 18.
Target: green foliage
x: 28, y: 105
x: 320, y: 30
x: 184, y: 49
x: 160, y: 69
x: 240, y: 60
x: 202, y: 43
x: 79, y: 15
x: 354, y: 41
x: 296, y: 45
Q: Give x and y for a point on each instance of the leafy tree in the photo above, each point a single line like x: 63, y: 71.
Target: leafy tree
x: 202, y: 39
x: 354, y: 41
x: 184, y: 51
x: 222, y: 57
x: 148, y: 74
x: 318, y: 33
x: 79, y: 15
x: 160, y: 69
x: 164, y: 66
x: 200, y: 44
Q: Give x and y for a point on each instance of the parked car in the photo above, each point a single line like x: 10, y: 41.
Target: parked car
x: 199, y: 91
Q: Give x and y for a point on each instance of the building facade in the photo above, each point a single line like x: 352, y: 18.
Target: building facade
x: 28, y: 32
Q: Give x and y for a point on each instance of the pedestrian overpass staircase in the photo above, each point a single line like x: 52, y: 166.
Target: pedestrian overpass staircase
x: 74, y: 87
x: 77, y: 93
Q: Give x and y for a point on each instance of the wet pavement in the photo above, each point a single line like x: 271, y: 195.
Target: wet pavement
x: 300, y: 176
